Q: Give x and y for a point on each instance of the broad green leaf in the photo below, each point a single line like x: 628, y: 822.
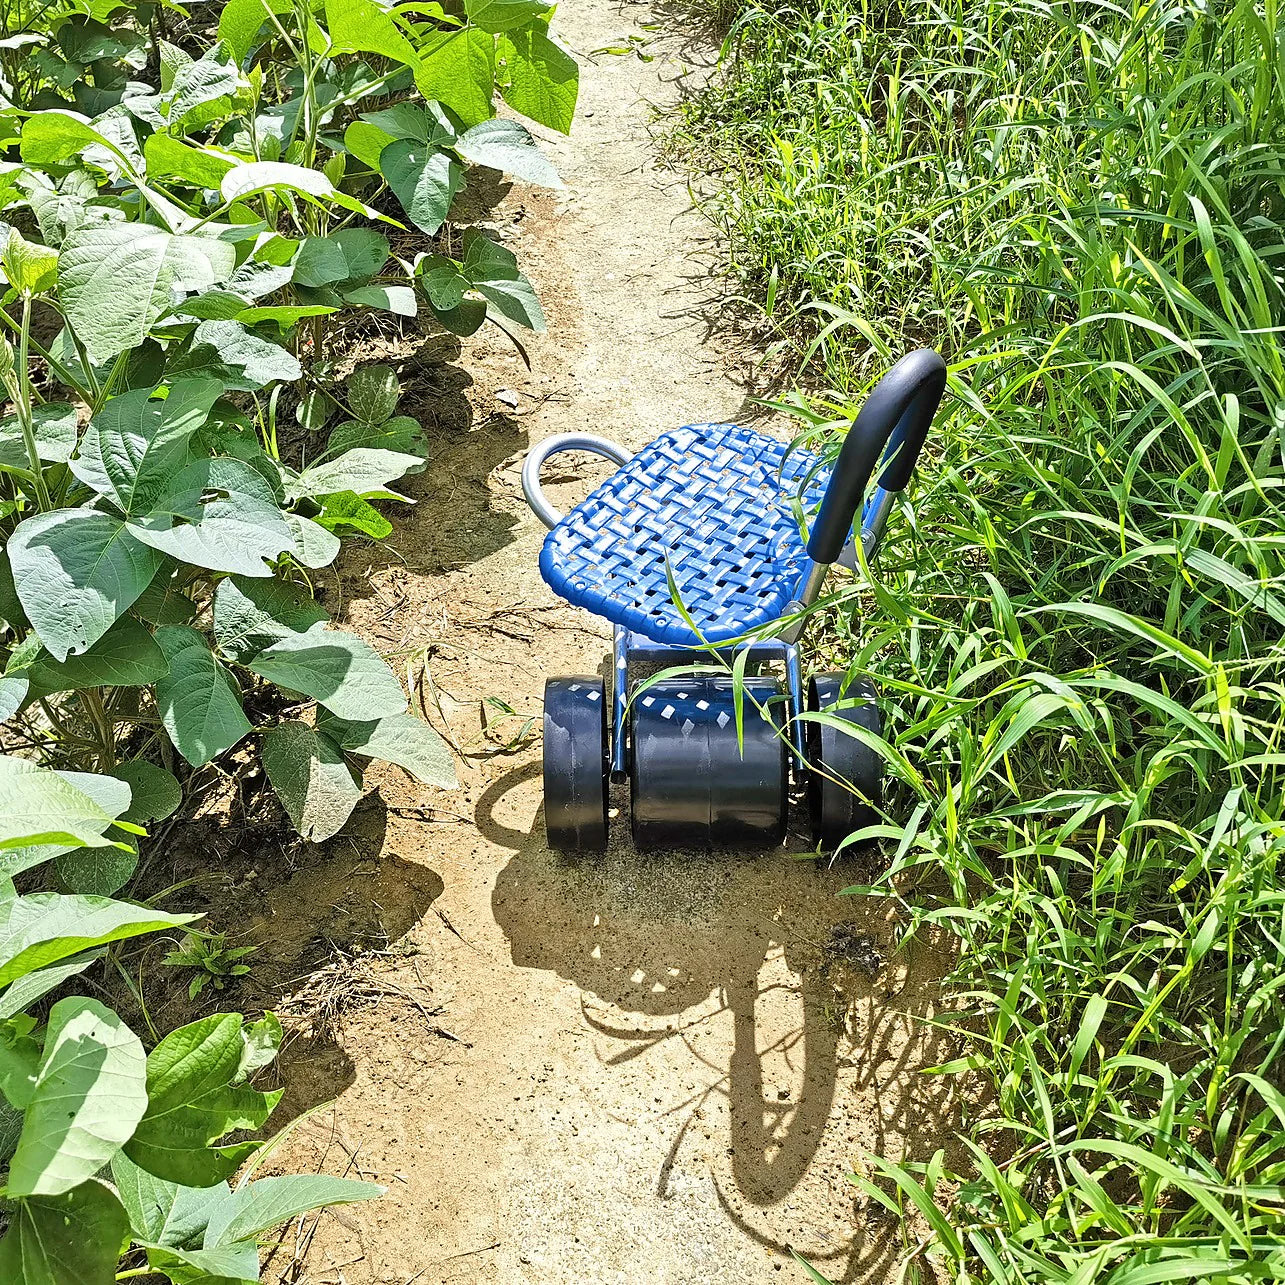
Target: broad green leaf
x: 198, y: 83
x: 250, y: 615
x: 314, y: 546
x: 241, y: 359
x: 254, y: 177
x: 433, y: 122
x: 259, y: 1206
x: 55, y: 426
x: 29, y: 267
x: 20, y: 1055
x: 544, y: 80
x: 20, y: 995
x: 164, y: 601
x: 59, y: 204
x: 154, y: 793
x: 362, y: 471
x: 347, y: 675
x: 164, y: 1213
x: 371, y: 393
x: 401, y: 434
x: 504, y: 15
x: 285, y: 316
x: 464, y: 319
x: 117, y: 279
x: 219, y: 514
x: 96, y: 872
x: 493, y: 273
x: 14, y: 689
x: 76, y: 572
x: 399, y: 300
x: 256, y: 277
x: 457, y: 68
x: 38, y: 806
x: 424, y: 179
x: 236, y: 1264
x: 89, y: 1095
x: 70, y: 1239
x: 240, y: 20
x: 345, y: 509
x: 193, y: 1100
x: 506, y: 145
x: 349, y: 255
x: 85, y: 40
x: 314, y: 410
x: 313, y: 781
x: 23, y: 654
x: 400, y: 738
x: 362, y: 26
x: 44, y: 927
x: 170, y: 59
x: 52, y: 136
x: 234, y: 441
x: 199, y: 706
x: 320, y: 262
x: 366, y: 141
x: 444, y: 282
x: 213, y: 305
x: 168, y: 157
x: 139, y: 440
x: 125, y: 656
x: 111, y: 795
x: 11, y: 611
x: 261, y: 1042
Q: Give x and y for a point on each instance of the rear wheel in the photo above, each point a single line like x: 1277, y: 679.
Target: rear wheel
x: 575, y: 763
x: 845, y: 784
x: 692, y: 783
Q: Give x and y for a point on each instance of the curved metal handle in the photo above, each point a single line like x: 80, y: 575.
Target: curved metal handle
x: 887, y: 434
x: 537, y: 455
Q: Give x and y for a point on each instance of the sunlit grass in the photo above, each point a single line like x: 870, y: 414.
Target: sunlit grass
x: 1080, y: 623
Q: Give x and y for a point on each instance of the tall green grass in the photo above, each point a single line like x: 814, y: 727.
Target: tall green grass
x: 1080, y: 622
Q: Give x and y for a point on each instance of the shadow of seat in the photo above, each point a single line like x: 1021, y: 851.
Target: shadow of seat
x: 688, y: 937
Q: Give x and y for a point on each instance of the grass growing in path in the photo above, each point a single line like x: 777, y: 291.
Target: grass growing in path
x: 1080, y: 627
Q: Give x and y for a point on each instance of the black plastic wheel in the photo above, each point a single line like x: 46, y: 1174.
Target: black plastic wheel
x: 575, y: 763
x: 845, y: 785
x: 691, y: 785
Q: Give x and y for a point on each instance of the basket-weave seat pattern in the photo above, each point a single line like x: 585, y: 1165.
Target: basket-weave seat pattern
x: 720, y: 505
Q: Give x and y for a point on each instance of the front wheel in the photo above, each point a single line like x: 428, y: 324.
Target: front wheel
x: 845, y: 783
x: 575, y: 764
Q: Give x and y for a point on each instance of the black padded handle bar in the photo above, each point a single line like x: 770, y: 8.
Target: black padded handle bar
x: 888, y: 434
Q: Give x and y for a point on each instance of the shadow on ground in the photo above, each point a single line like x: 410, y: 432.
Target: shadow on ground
x: 693, y: 937
x: 327, y: 922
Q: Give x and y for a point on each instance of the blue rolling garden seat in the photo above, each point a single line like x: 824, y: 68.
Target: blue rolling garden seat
x: 716, y: 506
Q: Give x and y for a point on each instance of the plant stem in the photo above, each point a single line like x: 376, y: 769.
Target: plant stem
x: 56, y: 367
x: 20, y: 389
x: 91, y: 698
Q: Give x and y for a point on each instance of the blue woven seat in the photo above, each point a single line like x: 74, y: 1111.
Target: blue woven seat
x: 719, y: 503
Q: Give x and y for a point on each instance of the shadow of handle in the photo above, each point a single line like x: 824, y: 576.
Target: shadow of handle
x: 770, y: 1153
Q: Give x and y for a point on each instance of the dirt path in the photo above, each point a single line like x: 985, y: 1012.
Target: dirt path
x: 635, y: 1069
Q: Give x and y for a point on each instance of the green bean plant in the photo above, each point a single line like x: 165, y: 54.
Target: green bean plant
x: 162, y: 550
x: 156, y: 542
x: 116, y: 1161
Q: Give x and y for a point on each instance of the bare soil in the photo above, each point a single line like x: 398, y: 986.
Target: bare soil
x: 642, y: 1068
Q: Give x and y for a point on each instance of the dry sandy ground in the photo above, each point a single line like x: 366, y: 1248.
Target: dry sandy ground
x: 650, y: 1068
